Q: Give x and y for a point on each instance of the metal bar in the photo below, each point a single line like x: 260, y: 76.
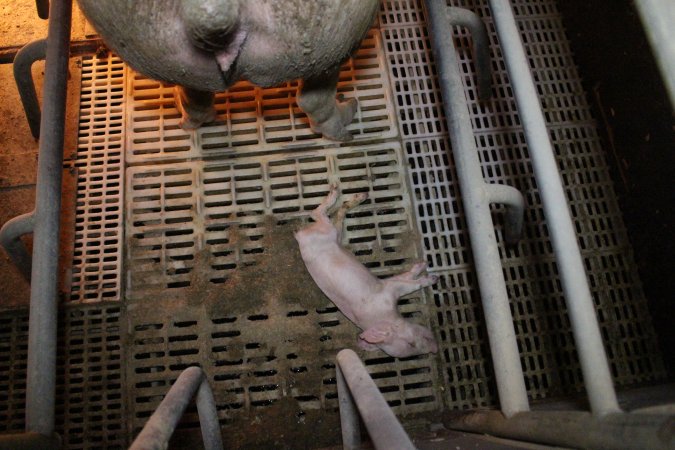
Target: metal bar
x: 77, y: 48
x: 585, y: 327
x: 161, y: 425
x: 208, y: 417
x: 383, y: 427
x: 10, y: 239
x: 475, y: 199
x: 349, y: 418
x: 572, y: 429
x: 515, y: 210
x: 658, y: 21
x: 29, y: 441
x: 23, y: 76
x: 42, y: 8
x: 41, y: 370
x: 481, y: 47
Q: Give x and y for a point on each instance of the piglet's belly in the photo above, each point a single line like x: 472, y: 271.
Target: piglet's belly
x: 343, y: 279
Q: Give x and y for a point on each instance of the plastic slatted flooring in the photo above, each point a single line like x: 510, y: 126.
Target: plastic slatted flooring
x: 212, y: 274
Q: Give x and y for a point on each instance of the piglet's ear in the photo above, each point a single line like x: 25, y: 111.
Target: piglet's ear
x: 378, y: 333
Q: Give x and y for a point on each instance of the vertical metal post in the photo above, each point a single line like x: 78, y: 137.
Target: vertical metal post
x: 585, y: 327
x: 40, y: 389
x: 476, y: 199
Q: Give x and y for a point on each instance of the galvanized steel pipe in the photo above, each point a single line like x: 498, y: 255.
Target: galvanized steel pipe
x: 585, y: 327
x: 658, y: 21
x: 42, y: 8
x: 10, y: 239
x: 23, y: 76
x: 481, y: 47
x: 349, y: 416
x: 384, y: 429
x: 572, y: 429
x: 161, y: 425
x: 476, y: 198
x: 41, y: 371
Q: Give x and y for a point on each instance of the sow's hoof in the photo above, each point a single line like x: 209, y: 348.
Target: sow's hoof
x: 194, y: 121
x: 335, y: 127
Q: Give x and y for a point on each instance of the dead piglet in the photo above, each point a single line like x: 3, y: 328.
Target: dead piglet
x: 369, y: 302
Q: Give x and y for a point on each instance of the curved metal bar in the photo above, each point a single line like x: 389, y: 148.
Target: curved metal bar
x: 515, y: 210
x: 585, y: 328
x: 23, y: 77
x: 10, y: 239
x: 42, y: 318
x: 481, y: 47
x: 208, y: 417
x: 384, y: 428
x: 475, y: 198
x: 161, y: 425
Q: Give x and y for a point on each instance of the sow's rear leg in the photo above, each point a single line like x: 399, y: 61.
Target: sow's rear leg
x: 327, y: 115
x: 196, y: 107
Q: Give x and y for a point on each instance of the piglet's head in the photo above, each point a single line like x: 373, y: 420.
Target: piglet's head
x: 399, y: 338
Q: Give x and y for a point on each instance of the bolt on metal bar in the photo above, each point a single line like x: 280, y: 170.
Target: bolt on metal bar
x: 658, y: 21
x: 23, y: 76
x: 41, y: 370
x: 476, y: 198
x: 585, y: 328
x: 161, y: 425
x: 383, y: 427
x: 10, y: 239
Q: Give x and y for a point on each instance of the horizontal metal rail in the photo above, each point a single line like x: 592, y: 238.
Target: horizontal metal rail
x: 585, y: 328
x: 476, y: 198
x: 29, y: 441
x: 77, y: 48
x: 161, y: 425
x: 572, y: 429
x: 356, y: 387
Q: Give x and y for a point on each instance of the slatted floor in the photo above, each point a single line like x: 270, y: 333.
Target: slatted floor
x: 184, y: 252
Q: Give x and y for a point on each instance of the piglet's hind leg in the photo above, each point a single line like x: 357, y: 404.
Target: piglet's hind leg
x: 356, y: 200
x: 320, y: 213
